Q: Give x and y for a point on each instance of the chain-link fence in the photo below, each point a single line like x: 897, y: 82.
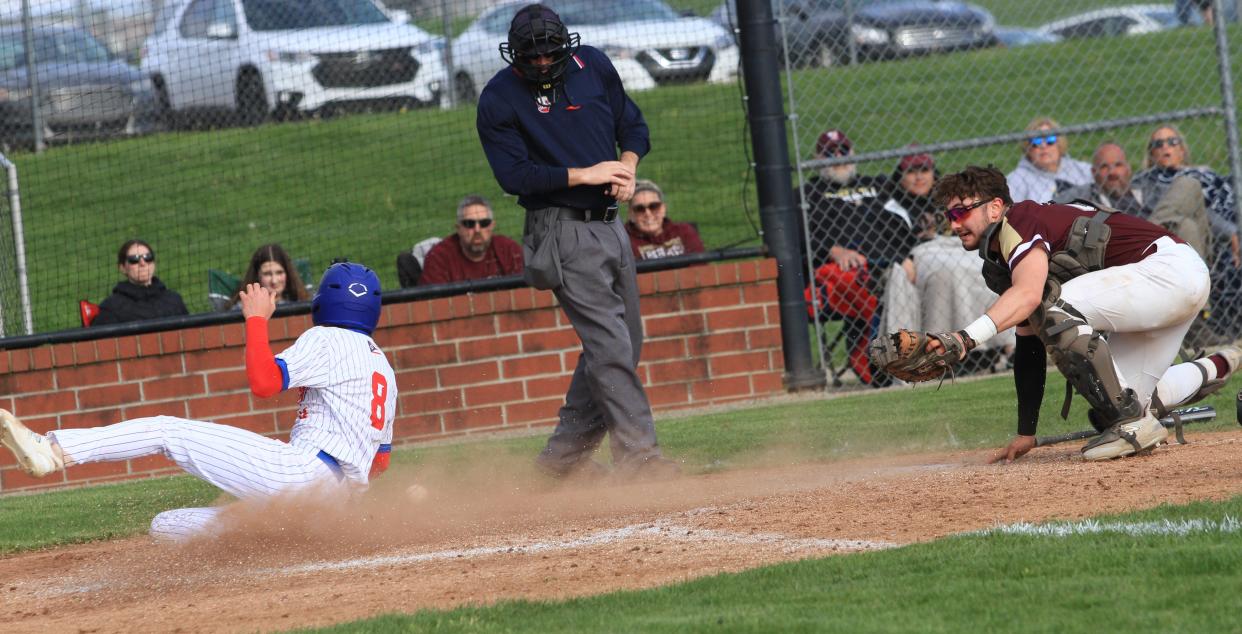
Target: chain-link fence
x: 336, y: 128
x: 1034, y: 88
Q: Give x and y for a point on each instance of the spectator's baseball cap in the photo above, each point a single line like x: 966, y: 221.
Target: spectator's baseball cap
x: 912, y: 161
x: 831, y: 142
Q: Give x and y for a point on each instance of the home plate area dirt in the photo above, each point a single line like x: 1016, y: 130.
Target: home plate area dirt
x: 486, y: 535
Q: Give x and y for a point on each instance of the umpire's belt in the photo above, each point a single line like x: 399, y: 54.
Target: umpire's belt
x: 605, y: 214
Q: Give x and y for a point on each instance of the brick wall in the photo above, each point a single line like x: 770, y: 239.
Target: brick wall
x: 465, y: 364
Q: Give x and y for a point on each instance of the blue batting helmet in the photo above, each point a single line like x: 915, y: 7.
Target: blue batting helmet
x: 348, y: 296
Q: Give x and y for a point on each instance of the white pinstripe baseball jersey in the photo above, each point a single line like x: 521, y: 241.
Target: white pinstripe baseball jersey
x: 348, y: 396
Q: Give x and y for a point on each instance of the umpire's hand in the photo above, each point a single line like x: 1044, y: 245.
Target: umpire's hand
x: 257, y: 301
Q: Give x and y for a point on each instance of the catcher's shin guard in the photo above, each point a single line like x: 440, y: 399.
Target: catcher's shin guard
x: 1081, y: 354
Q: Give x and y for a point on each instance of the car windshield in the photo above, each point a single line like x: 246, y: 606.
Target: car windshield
x: 1166, y: 17
x: 52, y: 47
x: 578, y: 12
x: 286, y: 15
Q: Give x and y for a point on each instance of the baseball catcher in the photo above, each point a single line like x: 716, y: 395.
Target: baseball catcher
x: 1108, y: 295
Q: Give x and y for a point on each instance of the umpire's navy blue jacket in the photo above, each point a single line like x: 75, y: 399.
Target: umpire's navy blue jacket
x: 531, y: 145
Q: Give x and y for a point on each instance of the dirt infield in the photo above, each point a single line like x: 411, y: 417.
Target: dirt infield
x: 486, y: 536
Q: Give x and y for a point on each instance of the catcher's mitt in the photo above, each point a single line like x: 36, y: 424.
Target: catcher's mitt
x: 904, y: 354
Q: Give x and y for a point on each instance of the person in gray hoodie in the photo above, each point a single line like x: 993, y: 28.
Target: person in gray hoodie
x: 1046, y: 168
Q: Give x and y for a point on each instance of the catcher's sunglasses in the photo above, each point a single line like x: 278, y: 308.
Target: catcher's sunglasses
x: 145, y: 257
x: 956, y: 214
x: 1043, y: 140
x: 470, y: 223
x: 1172, y: 141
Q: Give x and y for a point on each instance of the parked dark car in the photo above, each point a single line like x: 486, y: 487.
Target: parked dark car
x: 831, y: 32
x: 84, y: 91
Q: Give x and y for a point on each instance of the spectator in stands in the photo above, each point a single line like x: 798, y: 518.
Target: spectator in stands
x: 1168, y: 157
x: 474, y: 251
x: 652, y: 234
x: 272, y: 268
x: 142, y: 295
x: 1046, y: 167
x: 852, y: 238
x: 1180, y: 208
x: 939, y: 284
x: 410, y: 263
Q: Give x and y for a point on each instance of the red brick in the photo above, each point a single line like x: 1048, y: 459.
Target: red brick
x: 109, y: 396
x: 725, y: 297
x: 661, y: 305
x: 39, y: 424
x: 526, y: 320
x: 213, y: 337
x: 465, y: 328
x: 4, y: 362
x: 550, y: 340
x: 502, y: 301
x: 151, y: 463
x: 394, y: 315
x: 495, y: 393
x: 766, y: 383
x: 84, y: 375
x: 90, y: 470
x: 170, y: 342
x: 426, y: 356
x: 469, y: 373
x: 418, y: 425
x: 461, y: 305
x: 214, y: 407
x: 550, y: 386
x: 530, y: 365
x: 126, y: 347
x: 441, y: 309
x: 748, y: 271
x: 234, y: 334
x: 41, y: 358
x: 473, y: 418
x: 151, y: 367
x: 776, y: 359
x: 669, y: 395
x: 192, y: 339
x: 712, y: 344
x: 726, y: 273
x: 685, y: 324
x: 667, y: 281
x: 20, y: 361
x: 501, y: 346
x: 265, y: 423
x: 767, y: 268
x: 45, y: 403
x: 773, y: 313
x: 533, y: 411
x: 646, y: 284
x: 173, y: 387
x: 13, y: 479
x: 26, y: 382
x: 148, y: 345
x: 663, y: 349
x: 416, y: 380
x: 743, y: 317
x: 677, y: 371
x: 437, y: 401
x: 745, y: 363
x: 95, y: 418
x: 764, y: 293
x: 716, y: 389
x: 420, y: 312
x: 144, y: 410
x: 759, y: 338
x: 84, y: 352
x: 224, y: 358
x: 226, y: 381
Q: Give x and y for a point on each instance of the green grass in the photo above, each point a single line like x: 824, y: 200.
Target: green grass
x: 1096, y: 583
x: 900, y: 421
x: 369, y: 186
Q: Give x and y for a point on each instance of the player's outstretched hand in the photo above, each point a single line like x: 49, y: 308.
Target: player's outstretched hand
x: 1016, y: 449
x: 257, y: 301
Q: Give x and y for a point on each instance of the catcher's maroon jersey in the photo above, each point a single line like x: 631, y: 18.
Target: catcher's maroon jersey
x: 1030, y: 225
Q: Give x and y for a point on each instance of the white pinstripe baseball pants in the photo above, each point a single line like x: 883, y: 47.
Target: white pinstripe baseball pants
x: 240, y: 462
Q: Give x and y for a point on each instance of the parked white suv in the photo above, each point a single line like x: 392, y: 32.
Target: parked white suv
x: 255, y: 57
x: 648, y: 43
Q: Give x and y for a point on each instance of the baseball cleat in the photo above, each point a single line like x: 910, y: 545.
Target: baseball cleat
x: 34, y: 451
x: 1126, y: 439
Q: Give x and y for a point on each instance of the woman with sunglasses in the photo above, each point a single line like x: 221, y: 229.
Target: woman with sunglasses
x: 652, y: 234
x: 142, y: 295
x: 1045, y: 169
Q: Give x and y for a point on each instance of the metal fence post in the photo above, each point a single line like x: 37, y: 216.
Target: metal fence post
x: 450, y: 86
x: 32, y: 76
x: 19, y: 243
x: 1228, y: 103
x: 773, y: 177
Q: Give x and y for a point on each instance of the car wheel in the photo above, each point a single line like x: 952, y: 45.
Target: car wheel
x: 164, y: 113
x: 251, y: 100
x: 463, y: 89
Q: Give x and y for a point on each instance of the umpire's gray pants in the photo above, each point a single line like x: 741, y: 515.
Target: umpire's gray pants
x: 599, y: 292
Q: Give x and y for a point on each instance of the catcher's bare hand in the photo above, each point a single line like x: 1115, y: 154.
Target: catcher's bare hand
x: 1016, y: 449
x: 257, y: 301
x: 935, y: 347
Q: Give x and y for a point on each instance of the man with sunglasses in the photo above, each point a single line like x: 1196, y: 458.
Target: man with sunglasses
x: 1046, y: 168
x: 474, y: 252
x: 560, y: 132
x: 1112, y: 316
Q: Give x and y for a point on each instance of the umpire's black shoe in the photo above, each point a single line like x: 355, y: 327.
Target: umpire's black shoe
x: 583, y: 471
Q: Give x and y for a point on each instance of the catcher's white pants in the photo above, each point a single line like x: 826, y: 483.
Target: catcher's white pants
x: 240, y: 462
x: 1146, y: 307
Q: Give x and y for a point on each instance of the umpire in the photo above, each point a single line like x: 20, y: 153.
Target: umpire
x: 551, y: 124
